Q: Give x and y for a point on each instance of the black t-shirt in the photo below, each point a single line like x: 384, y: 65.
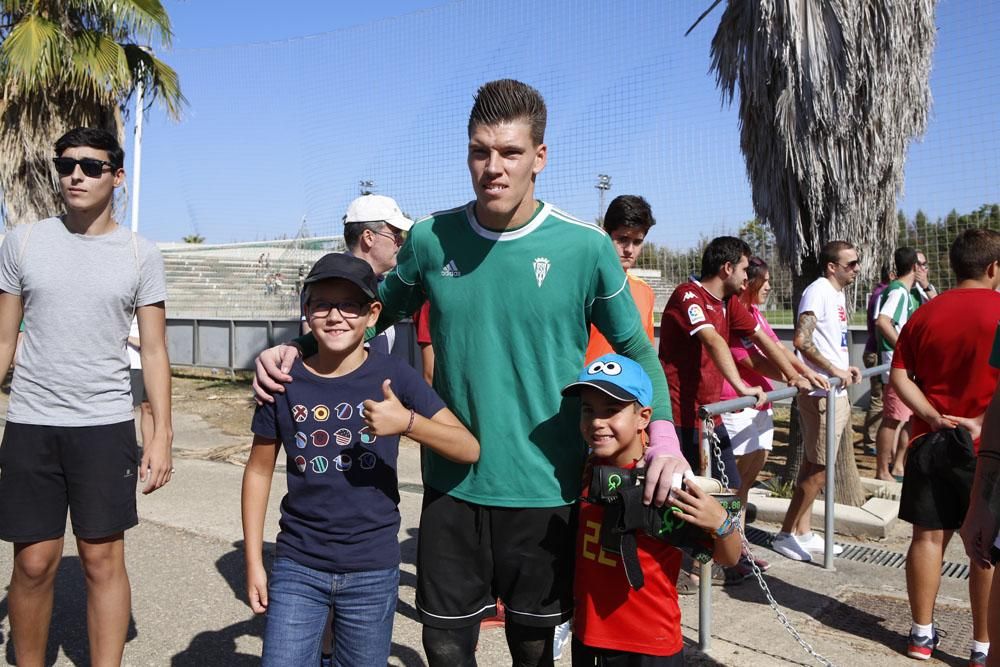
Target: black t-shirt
x: 340, y: 513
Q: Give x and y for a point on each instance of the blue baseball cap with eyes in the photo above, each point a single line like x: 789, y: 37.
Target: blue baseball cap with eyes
x: 619, y: 377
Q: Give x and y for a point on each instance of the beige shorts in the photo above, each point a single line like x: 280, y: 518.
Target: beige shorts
x: 812, y: 417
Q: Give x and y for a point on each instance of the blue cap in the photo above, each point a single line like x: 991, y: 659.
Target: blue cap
x: 619, y: 377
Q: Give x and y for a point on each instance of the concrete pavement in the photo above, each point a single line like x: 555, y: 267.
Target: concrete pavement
x: 186, y: 568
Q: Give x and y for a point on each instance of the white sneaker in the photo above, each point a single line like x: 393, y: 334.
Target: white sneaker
x: 788, y: 546
x: 813, y: 542
x: 562, y: 635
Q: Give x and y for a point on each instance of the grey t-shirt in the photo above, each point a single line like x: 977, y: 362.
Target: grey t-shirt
x: 78, y: 294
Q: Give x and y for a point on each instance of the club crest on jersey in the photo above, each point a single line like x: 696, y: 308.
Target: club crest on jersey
x: 343, y: 437
x: 367, y: 461
x: 542, y: 266
x: 695, y: 314
x: 450, y: 270
x: 300, y: 413
x: 301, y: 440
x: 300, y: 463
x: 320, y: 438
x: 367, y: 437
x: 344, y: 411
x: 320, y: 464
x: 321, y: 413
x: 361, y: 409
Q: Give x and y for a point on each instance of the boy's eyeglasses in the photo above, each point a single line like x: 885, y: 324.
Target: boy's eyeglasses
x: 850, y: 265
x: 90, y: 167
x: 349, y: 310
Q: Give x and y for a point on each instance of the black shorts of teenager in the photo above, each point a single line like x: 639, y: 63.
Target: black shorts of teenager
x: 938, y: 480
x: 469, y: 555
x: 91, y: 470
x: 691, y: 448
x: 588, y: 656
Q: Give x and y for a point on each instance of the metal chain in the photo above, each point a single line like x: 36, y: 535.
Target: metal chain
x: 709, y: 427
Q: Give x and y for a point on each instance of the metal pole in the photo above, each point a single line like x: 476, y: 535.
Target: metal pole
x: 705, y: 571
x: 137, y: 153
x: 831, y: 462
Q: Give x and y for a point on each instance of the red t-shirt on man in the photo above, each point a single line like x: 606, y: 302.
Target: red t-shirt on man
x: 946, y: 346
x: 692, y: 376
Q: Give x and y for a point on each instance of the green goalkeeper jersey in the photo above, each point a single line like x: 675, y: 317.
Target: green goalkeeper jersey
x: 510, y: 315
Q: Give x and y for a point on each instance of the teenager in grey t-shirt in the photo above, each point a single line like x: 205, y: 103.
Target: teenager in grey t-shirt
x: 73, y: 369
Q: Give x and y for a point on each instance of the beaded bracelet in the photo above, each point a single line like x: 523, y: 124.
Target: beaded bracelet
x: 409, y: 426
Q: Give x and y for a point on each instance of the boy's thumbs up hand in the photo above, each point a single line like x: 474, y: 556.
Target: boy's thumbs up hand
x: 388, y: 416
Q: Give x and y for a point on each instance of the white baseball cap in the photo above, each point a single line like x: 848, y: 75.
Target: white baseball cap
x: 377, y: 208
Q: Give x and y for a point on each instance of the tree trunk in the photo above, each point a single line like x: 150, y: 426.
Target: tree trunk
x: 794, y: 460
x: 849, y: 490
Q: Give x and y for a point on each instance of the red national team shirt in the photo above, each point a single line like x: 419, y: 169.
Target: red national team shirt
x: 693, y: 377
x: 608, y: 613
x: 946, y: 345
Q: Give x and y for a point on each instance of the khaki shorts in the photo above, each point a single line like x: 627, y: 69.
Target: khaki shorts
x: 812, y: 417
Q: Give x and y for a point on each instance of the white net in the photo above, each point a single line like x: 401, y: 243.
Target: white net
x: 280, y: 136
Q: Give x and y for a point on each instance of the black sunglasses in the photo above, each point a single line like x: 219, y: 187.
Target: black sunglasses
x: 88, y: 165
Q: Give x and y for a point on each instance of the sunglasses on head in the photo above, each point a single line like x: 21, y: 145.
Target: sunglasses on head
x: 89, y: 166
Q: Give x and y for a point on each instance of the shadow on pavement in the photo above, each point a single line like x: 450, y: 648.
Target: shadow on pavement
x: 829, y: 611
x: 68, y: 630
x: 219, y: 647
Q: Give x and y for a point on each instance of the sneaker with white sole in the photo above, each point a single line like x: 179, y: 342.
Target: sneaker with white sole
x: 788, y: 546
x: 920, y: 647
x: 816, y: 543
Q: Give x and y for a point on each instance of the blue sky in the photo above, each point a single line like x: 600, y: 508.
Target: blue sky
x: 290, y: 109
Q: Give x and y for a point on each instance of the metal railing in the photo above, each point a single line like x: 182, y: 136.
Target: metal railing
x: 707, y: 412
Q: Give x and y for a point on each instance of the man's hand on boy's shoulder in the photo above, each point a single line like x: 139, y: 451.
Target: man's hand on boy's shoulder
x: 272, y: 368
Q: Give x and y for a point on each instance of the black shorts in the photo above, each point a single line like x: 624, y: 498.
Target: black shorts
x: 691, y: 448
x: 91, y: 470
x: 469, y: 555
x: 937, y: 485
x: 588, y: 656
x: 138, y: 386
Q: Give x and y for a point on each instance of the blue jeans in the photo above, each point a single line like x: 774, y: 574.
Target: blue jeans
x: 299, y: 600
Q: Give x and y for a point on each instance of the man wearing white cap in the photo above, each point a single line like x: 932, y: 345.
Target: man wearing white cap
x: 373, y: 231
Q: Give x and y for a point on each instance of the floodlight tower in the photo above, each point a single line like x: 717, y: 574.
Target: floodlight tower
x: 603, y: 185
x: 367, y: 187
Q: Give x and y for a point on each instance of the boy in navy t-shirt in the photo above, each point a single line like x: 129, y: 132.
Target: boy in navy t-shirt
x: 339, y: 425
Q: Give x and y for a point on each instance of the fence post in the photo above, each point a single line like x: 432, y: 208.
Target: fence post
x: 705, y: 571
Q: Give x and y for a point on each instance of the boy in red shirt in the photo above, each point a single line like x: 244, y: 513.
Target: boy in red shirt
x: 611, y: 619
x: 941, y: 370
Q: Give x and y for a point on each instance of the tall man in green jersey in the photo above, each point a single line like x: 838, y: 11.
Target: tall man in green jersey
x: 514, y: 284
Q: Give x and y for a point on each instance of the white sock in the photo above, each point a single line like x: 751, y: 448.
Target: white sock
x: 922, y: 630
x: 979, y: 647
x: 804, y: 537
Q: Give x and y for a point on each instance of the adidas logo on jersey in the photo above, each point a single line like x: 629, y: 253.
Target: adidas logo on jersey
x: 450, y: 270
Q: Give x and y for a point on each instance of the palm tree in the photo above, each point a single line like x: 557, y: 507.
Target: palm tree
x: 831, y: 92
x: 70, y: 63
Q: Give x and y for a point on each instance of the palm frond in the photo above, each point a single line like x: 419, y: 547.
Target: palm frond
x: 831, y: 92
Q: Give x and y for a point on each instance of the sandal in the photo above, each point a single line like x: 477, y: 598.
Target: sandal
x: 687, y: 584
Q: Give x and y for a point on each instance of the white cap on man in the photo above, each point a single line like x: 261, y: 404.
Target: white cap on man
x: 377, y: 208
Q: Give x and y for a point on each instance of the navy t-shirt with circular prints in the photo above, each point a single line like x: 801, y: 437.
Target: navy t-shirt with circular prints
x: 340, y: 513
